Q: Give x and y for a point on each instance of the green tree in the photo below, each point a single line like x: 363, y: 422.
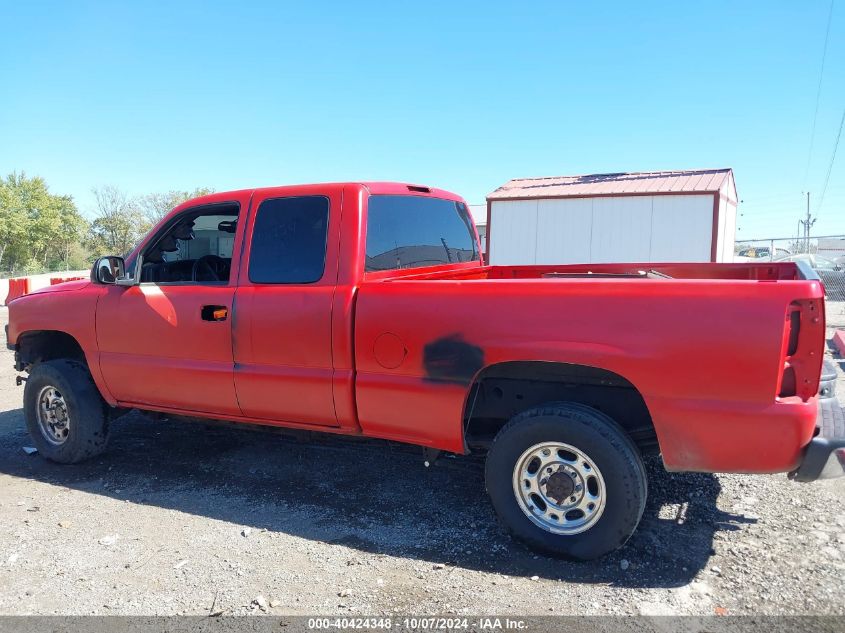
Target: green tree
x: 121, y: 221
x: 13, y: 219
x: 34, y: 224
x: 40, y: 231
x: 118, y: 224
x: 155, y: 206
x: 72, y: 229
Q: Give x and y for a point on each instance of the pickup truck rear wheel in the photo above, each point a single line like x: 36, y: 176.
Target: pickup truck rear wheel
x: 566, y: 480
x: 65, y: 414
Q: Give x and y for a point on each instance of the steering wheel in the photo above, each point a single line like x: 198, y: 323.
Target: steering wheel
x: 210, y: 264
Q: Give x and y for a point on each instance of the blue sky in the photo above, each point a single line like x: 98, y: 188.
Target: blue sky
x: 154, y: 96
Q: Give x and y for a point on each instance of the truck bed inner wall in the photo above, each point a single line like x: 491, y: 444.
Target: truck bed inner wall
x: 708, y: 407
x: 757, y: 272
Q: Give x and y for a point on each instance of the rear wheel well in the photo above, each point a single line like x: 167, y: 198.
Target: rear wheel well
x: 502, y: 391
x: 44, y: 345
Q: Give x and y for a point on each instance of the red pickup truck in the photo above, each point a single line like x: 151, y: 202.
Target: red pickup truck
x: 365, y: 309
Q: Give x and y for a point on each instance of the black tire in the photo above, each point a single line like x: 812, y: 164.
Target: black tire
x: 827, y: 383
x: 606, y: 444
x: 88, y: 429
x: 831, y: 418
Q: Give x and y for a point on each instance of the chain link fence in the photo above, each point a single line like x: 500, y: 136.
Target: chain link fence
x: 826, y: 255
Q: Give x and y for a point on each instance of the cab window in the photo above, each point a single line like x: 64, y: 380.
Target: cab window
x: 289, y: 240
x: 195, y: 248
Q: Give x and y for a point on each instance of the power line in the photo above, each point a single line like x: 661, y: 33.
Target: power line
x: 832, y: 158
x: 785, y: 205
x: 818, y: 94
x: 781, y: 197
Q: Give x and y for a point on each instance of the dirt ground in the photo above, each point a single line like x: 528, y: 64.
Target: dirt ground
x: 183, y: 518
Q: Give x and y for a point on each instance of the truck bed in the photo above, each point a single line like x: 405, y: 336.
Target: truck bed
x: 708, y: 346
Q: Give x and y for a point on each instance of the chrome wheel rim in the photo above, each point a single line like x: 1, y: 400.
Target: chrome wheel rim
x: 559, y: 488
x: 53, y: 417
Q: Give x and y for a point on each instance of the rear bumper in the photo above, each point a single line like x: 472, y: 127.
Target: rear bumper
x: 824, y: 457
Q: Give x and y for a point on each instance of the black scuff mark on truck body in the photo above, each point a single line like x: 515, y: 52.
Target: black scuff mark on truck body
x: 452, y: 359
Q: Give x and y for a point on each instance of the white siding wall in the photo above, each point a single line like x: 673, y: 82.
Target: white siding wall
x: 516, y: 222
x: 478, y: 212
x: 728, y: 210
x: 621, y: 229
x: 563, y: 227
x: 682, y: 228
x: 727, y: 221
x: 612, y: 229
x: 830, y: 247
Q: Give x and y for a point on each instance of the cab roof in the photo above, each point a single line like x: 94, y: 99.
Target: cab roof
x: 372, y: 187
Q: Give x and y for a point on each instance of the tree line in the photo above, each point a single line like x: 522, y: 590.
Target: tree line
x: 43, y: 232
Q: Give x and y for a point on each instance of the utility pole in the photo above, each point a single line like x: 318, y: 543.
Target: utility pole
x: 807, y: 224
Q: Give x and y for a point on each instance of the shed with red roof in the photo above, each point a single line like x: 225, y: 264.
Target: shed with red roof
x: 663, y: 216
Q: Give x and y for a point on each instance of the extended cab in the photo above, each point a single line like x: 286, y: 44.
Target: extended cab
x: 365, y: 309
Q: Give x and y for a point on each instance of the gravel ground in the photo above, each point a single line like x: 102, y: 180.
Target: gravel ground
x: 184, y: 518
x: 835, y: 314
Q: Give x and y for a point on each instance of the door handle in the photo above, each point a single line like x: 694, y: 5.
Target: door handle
x: 214, y: 313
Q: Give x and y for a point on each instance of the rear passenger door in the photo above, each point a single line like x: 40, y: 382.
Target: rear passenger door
x: 282, y: 341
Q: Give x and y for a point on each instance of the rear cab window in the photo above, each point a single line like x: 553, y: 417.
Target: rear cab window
x: 417, y: 231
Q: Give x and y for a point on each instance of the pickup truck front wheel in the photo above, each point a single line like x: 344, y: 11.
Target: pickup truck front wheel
x: 65, y: 415
x: 566, y: 480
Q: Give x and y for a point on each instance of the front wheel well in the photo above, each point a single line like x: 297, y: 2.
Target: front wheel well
x: 504, y: 390
x: 43, y: 345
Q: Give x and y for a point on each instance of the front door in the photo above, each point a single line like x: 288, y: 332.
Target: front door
x: 283, y: 307
x: 167, y: 342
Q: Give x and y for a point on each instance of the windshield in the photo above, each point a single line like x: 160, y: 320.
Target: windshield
x: 416, y: 231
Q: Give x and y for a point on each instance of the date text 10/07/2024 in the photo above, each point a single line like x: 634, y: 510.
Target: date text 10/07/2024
x: 419, y: 624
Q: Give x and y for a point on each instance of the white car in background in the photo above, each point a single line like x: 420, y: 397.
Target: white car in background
x: 831, y: 273
x: 756, y: 253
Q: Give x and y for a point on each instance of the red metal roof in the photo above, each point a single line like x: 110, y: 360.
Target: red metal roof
x: 638, y: 183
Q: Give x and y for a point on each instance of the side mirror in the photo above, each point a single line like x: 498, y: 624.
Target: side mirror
x: 111, y: 270
x: 228, y: 226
